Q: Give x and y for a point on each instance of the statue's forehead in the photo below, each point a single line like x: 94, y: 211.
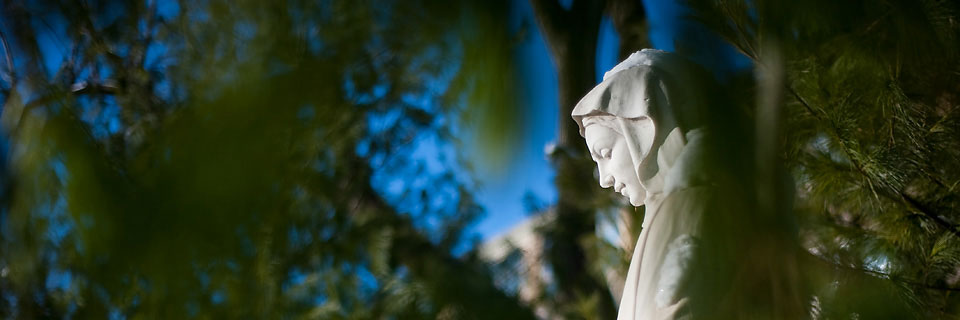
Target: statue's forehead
x: 598, y: 132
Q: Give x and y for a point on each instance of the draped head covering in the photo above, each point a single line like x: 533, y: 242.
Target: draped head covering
x: 648, y: 96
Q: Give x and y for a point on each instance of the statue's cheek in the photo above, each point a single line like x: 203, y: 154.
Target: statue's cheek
x: 675, y: 265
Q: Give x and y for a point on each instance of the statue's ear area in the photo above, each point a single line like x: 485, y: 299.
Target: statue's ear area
x: 640, y: 137
x: 649, y: 120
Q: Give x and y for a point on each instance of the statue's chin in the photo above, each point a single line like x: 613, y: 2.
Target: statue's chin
x: 635, y: 201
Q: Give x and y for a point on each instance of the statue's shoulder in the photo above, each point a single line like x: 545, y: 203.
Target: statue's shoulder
x: 692, y: 168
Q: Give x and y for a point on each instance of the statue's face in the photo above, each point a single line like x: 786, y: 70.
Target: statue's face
x: 609, y: 149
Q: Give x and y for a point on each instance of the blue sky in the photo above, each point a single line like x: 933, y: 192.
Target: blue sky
x: 530, y: 173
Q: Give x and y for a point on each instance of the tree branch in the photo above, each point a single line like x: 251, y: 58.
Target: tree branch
x: 900, y: 196
x: 880, y: 274
x: 81, y: 88
x: 9, y: 58
x: 553, y: 20
x: 630, y: 21
x: 919, y: 207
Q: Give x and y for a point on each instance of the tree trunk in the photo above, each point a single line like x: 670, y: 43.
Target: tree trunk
x: 572, y: 38
x: 630, y: 21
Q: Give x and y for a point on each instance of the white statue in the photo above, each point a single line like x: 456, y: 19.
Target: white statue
x: 644, y: 128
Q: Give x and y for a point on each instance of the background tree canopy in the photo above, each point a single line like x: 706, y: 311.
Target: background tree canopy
x: 256, y: 159
x: 219, y: 158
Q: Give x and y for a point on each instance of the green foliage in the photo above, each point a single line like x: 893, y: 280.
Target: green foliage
x: 869, y: 133
x: 221, y: 160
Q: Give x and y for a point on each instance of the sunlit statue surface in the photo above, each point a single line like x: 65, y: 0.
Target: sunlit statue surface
x: 644, y: 129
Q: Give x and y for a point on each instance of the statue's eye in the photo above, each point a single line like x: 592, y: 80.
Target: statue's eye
x: 605, y: 153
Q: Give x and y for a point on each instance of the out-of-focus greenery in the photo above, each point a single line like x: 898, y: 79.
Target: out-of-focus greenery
x: 220, y: 159
x: 857, y: 100
x: 255, y: 159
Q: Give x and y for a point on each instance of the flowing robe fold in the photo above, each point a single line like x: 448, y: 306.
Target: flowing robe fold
x: 657, y: 283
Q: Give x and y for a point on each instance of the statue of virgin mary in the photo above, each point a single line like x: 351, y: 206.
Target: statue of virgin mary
x: 644, y: 128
